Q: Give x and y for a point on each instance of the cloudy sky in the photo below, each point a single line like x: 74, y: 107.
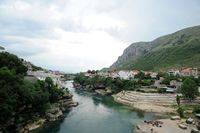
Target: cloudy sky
x: 77, y: 35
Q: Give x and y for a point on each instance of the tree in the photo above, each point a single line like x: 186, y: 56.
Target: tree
x: 196, y: 109
x: 80, y: 78
x: 48, y: 83
x: 140, y: 75
x: 20, y: 98
x: 189, y: 89
x: 178, y: 99
x: 180, y: 111
x: 9, y: 88
x: 11, y: 61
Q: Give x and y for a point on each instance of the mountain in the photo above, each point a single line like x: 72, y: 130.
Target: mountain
x: 175, y: 50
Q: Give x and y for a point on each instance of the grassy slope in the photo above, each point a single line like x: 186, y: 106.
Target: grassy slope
x: 175, y: 50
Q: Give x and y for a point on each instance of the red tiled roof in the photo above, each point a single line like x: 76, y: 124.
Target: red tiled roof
x: 188, y: 69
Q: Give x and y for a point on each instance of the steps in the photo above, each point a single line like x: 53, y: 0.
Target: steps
x: 153, y: 98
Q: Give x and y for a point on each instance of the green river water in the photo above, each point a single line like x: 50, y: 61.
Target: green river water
x: 97, y: 114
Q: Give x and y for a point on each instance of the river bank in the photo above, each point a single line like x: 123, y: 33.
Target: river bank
x: 54, y: 113
x: 164, y: 126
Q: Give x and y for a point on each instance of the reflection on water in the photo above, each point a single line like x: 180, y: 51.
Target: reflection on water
x: 96, y: 114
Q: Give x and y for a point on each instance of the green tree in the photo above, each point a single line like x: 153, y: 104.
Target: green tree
x: 180, y: 111
x: 48, y: 83
x: 196, y: 109
x: 20, y: 98
x: 9, y: 89
x: 178, y: 99
x: 12, y: 62
x: 55, y: 94
x: 189, y: 89
x: 140, y: 75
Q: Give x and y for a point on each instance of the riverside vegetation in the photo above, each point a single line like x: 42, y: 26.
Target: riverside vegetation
x: 109, y: 86
x: 112, y: 85
x: 22, y: 101
x: 189, y: 88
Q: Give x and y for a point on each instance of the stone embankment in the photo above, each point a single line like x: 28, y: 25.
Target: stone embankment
x: 151, y: 102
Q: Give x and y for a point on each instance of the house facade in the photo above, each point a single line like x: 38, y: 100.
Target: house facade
x: 191, y: 71
x: 174, y: 72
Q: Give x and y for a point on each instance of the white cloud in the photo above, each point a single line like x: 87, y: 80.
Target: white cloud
x: 93, y: 50
x: 76, y: 35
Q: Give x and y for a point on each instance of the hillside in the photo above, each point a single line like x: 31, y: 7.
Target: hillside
x: 181, y: 48
x: 2, y: 48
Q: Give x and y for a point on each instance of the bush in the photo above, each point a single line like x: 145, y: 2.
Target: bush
x: 180, y: 111
x: 198, y: 126
x: 178, y: 99
x: 196, y: 109
x: 162, y: 90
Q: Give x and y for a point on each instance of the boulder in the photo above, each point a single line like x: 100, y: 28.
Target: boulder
x: 87, y: 86
x: 74, y: 104
x: 54, y: 114
x: 53, y: 110
x: 33, y: 126
x: 189, y: 120
x: 198, y: 116
x: 182, y: 126
x: 108, y: 91
x: 175, y: 118
x: 138, y: 127
x: 101, y: 92
x: 194, y: 130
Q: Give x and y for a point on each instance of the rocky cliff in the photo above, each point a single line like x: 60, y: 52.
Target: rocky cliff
x: 178, y: 49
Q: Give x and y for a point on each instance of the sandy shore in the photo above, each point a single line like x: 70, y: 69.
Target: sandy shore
x: 168, y: 126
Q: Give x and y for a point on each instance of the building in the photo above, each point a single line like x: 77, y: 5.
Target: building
x: 174, y: 72
x: 151, y: 74
x: 42, y: 75
x: 189, y: 72
x: 114, y: 74
x: 135, y: 72
x: 175, y: 83
x: 123, y: 74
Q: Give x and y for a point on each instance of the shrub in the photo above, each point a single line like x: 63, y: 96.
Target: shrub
x: 196, y: 109
x: 180, y: 111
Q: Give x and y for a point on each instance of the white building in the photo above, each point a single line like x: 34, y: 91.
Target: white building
x: 42, y: 75
x: 189, y: 72
x: 174, y: 72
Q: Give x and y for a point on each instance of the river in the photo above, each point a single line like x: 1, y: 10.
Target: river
x: 97, y: 114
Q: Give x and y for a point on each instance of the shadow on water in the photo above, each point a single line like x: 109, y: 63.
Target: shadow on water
x: 109, y: 102
x: 51, y: 127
